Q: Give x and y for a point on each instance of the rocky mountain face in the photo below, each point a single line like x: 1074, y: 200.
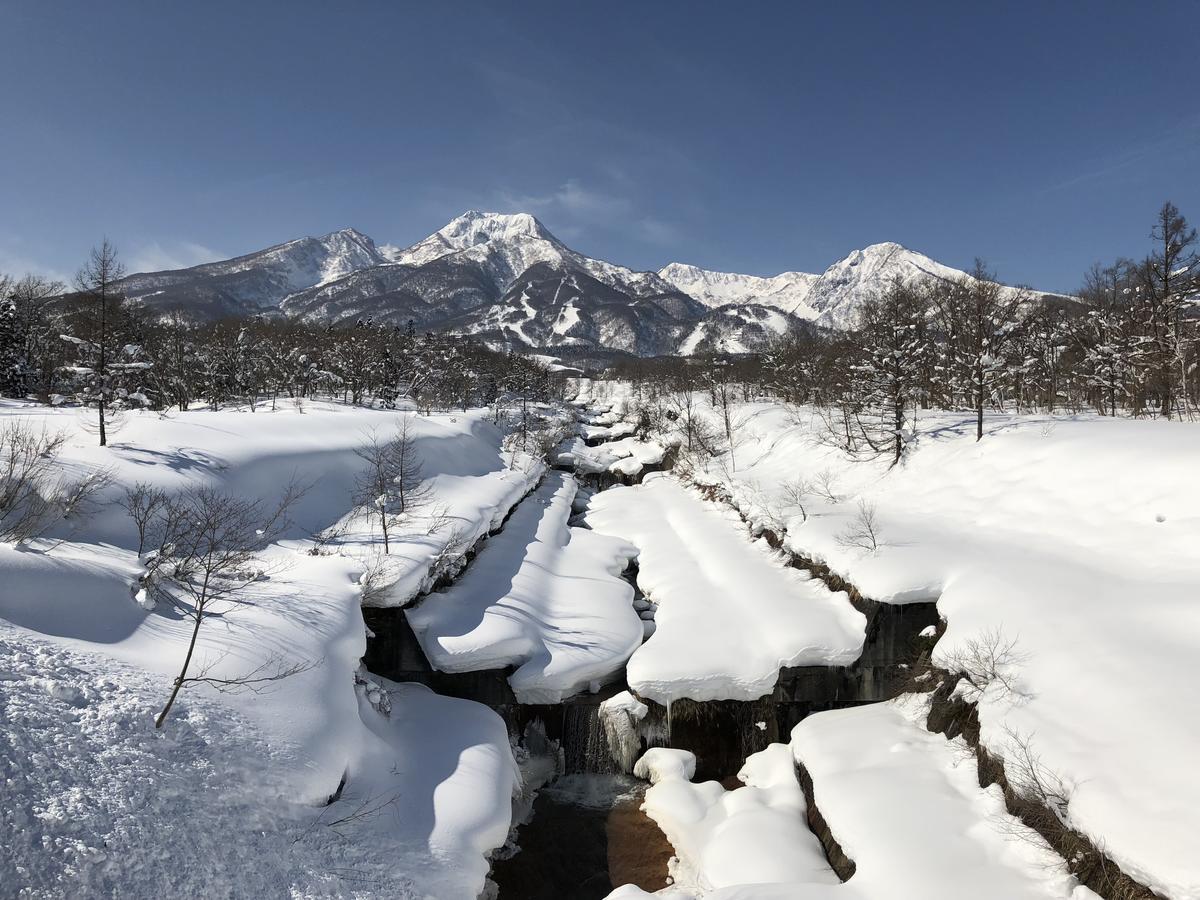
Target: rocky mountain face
x: 507, y: 280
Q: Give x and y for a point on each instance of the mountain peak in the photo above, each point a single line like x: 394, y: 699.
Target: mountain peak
x: 475, y: 227
x: 351, y: 233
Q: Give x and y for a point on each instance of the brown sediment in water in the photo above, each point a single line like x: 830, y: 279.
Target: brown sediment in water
x: 637, y: 850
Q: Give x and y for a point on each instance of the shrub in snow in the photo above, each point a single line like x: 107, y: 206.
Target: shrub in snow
x: 34, y: 496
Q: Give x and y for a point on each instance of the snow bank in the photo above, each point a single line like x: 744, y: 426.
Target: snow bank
x: 1076, y: 538
x: 627, y: 456
x: 905, y: 805
x: 444, y: 769
x: 729, y: 614
x: 608, y: 432
x: 540, y: 596
x: 754, y: 835
x: 263, y: 761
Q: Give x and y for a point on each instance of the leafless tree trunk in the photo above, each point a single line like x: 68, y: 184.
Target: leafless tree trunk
x: 96, y: 282
x: 391, y: 485
x: 209, y: 543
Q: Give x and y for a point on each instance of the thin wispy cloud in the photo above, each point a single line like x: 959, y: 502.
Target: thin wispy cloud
x: 18, y: 262
x: 574, y: 210
x: 157, y: 256
x: 1183, y: 138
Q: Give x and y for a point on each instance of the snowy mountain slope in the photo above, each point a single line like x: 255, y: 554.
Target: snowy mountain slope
x: 738, y: 328
x: 786, y: 291
x: 562, y: 305
x: 837, y: 294
x: 507, y: 279
x: 257, y: 281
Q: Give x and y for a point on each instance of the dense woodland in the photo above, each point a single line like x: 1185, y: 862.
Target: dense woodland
x: 1125, y: 344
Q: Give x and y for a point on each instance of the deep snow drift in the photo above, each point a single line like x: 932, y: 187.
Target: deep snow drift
x: 1073, y: 539
x: 95, y: 793
x: 902, y: 803
x: 541, y: 596
x: 730, y: 614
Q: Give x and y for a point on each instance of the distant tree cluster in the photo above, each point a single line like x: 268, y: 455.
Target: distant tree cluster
x: 1127, y: 344
x: 92, y: 347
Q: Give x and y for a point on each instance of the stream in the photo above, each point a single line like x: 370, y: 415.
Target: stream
x: 585, y: 833
x: 587, y: 836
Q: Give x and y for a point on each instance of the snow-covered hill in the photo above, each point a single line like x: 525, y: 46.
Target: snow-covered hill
x: 506, y: 279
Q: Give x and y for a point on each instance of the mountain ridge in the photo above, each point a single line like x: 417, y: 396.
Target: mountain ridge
x: 506, y: 279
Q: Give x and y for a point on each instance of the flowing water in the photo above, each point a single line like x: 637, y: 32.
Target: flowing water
x: 586, y: 836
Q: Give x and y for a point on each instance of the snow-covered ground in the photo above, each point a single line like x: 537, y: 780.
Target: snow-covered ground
x: 541, y: 596
x: 228, y: 798
x: 903, y: 804
x: 1071, y: 546
x: 756, y: 834
x: 1077, y: 541
x: 730, y: 614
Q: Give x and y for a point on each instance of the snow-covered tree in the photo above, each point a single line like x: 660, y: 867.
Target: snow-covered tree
x: 978, y: 318
x: 894, y: 349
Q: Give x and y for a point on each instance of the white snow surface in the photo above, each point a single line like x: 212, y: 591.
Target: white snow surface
x: 94, y: 793
x: 1075, y: 538
x: 730, y: 615
x: 541, y: 596
x: 904, y: 805
x: 786, y: 291
x: 756, y: 834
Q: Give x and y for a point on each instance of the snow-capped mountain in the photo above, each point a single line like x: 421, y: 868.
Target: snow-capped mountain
x: 255, y: 282
x: 509, y: 281
x: 787, y: 291
x: 836, y: 295
x: 831, y: 299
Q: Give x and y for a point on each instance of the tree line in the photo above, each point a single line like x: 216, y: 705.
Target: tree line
x: 92, y: 347
x: 1128, y: 343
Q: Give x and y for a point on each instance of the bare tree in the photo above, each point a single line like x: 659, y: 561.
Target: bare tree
x: 96, y: 282
x: 795, y: 492
x: 863, y: 531
x: 978, y: 317
x: 824, y: 486
x: 206, y: 563
x: 391, y: 486
x: 144, y: 503
x: 34, y: 496
x: 990, y: 658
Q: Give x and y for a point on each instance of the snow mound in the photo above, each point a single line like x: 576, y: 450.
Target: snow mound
x: 540, y: 596
x: 754, y: 835
x: 730, y: 615
x: 905, y: 805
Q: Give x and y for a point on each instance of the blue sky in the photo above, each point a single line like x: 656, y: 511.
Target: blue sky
x: 748, y: 137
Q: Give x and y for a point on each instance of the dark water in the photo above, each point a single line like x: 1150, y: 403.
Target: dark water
x: 565, y: 848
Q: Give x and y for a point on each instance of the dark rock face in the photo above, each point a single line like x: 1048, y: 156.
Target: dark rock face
x: 394, y: 652
x: 722, y: 733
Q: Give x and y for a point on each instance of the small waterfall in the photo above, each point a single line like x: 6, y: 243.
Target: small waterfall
x: 584, y: 741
